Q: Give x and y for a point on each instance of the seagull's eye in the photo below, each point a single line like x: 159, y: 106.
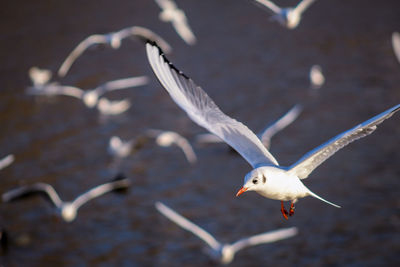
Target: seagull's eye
x: 255, y: 181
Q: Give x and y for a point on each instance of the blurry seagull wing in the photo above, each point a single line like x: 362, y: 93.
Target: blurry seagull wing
x: 280, y: 124
x: 43, y: 189
x: 270, y: 6
x: 6, y: 161
x: 188, y: 225
x: 303, y: 5
x: 202, y: 110
x: 268, y: 237
x: 82, y: 46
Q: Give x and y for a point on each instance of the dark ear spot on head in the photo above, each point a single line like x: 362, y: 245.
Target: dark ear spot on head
x: 264, y: 179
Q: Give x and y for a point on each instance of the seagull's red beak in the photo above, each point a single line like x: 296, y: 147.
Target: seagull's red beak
x: 241, y: 191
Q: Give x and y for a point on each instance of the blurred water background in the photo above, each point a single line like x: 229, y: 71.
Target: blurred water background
x: 255, y: 70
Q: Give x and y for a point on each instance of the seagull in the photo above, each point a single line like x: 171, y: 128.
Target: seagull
x: 67, y: 210
x: 6, y: 161
x: 267, y: 178
x: 396, y: 44
x: 91, y: 97
x: 224, y: 252
x: 288, y: 17
x: 169, y: 138
x: 265, y: 135
x: 114, y: 40
x: 119, y: 148
x: 317, y: 79
x: 171, y: 13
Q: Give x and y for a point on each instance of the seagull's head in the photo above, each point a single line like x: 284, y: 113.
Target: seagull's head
x: 68, y: 212
x: 90, y: 98
x: 254, y: 180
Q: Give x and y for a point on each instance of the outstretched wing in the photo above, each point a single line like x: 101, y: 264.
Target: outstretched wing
x: 314, y: 158
x: 268, y: 237
x: 120, y: 182
x: 270, y: 6
x: 85, y: 44
x: 187, y: 225
x: 202, y: 110
x: 42, y: 189
x: 121, y: 84
x: 279, y: 125
x: 303, y: 5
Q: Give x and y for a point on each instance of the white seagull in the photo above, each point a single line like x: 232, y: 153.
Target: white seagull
x: 266, y: 134
x: 288, y: 17
x: 119, y: 148
x: 91, y: 97
x: 267, y: 178
x: 396, y: 44
x: 6, y: 161
x: 224, y: 252
x: 171, y: 13
x: 112, y: 107
x: 169, y: 138
x: 317, y: 79
x: 67, y: 210
x: 114, y: 40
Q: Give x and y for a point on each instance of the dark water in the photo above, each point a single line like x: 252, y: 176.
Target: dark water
x: 255, y: 70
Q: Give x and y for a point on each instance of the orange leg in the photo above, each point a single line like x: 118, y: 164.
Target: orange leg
x: 284, y: 211
x: 291, y: 210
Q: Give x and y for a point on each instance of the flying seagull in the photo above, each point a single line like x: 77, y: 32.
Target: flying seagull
x: 171, y: 13
x: 288, y: 17
x: 169, y: 138
x: 92, y: 97
x: 224, y: 252
x: 114, y: 40
x: 266, y: 134
x: 67, y: 210
x: 267, y: 178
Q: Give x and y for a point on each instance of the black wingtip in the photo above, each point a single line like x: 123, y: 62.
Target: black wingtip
x: 120, y: 176
x: 161, y: 52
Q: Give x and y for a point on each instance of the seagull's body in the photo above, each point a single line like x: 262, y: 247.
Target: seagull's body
x: 396, y: 44
x: 266, y: 134
x: 39, y: 77
x: 267, y: 178
x: 224, y: 252
x: 67, y: 210
x: 288, y: 17
x: 317, y: 79
x: 171, y: 13
x: 169, y: 138
x: 113, y: 39
x: 92, y: 98
x: 6, y: 161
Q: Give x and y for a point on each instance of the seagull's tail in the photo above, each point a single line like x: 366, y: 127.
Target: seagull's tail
x: 320, y: 198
